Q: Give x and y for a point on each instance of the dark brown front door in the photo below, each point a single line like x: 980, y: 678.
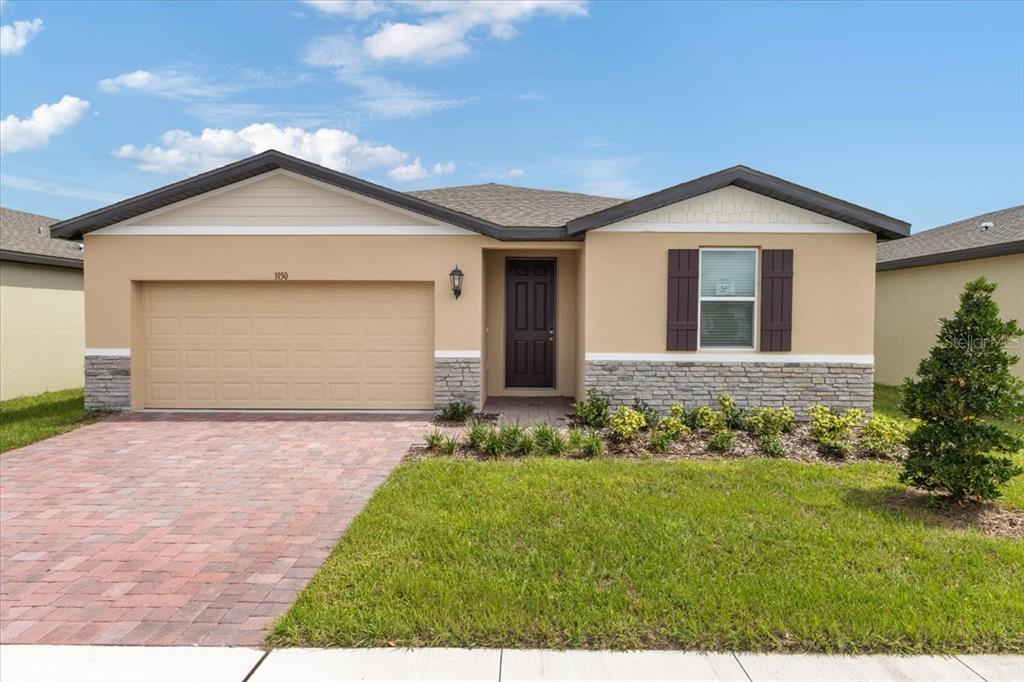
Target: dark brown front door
x: 530, y: 323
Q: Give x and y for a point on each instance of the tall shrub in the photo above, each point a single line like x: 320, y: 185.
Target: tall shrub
x: 964, y: 383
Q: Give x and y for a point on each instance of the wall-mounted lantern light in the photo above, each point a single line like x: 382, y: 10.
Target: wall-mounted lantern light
x: 456, y: 276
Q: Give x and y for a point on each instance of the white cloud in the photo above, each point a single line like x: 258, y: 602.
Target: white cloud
x: 606, y: 177
x: 445, y: 34
x: 170, y: 84
x: 377, y: 95
x: 416, y: 171
x: 14, y: 37
x: 46, y: 120
x: 182, y: 153
x: 357, y: 9
x: 61, y: 189
x: 515, y: 173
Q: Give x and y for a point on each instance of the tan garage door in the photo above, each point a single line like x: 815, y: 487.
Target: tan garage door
x: 287, y: 345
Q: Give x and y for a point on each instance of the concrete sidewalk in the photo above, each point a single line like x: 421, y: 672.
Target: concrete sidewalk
x: 23, y: 663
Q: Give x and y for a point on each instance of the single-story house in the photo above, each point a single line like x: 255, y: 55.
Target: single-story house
x: 42, y: 316
x: 277, y: 283
x: 920, y: 279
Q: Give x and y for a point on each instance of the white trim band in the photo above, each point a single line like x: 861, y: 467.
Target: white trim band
x: 758, y: 358
x: 282, y: 230
x: 109, y: 352
x: 755, y: 228
x: 456, y: 354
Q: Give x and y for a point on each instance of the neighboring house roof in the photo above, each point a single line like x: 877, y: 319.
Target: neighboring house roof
x: 989, y: 234
x: 511, y: 206
x: 520, y: 213
x: 25, y: 238
x: 753, y: 181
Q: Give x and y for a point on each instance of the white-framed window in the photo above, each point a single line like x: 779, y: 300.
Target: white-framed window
x: 728, y: 299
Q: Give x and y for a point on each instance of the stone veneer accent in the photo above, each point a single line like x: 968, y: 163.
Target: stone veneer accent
x: 797, y: 385
x: 108, y: 382
x: 456, y: 379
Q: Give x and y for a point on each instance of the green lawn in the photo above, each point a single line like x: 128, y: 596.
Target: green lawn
x: 746, y: 554
x: 26, y: 420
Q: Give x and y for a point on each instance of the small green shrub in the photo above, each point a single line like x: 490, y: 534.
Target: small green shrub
x: 549, y: 440
x: 771, y: 445
x: 509, y: 435
x: 574, y: 439
x: 732, y: 415
x: 523, y: 446
x: 722, y: 440
x: 457, y: 411
x: 680, y: 412
x: 449, y: 444
x: 661, y: 441
x: 477, y: 433
x: 767, y: 421
x: 672, y: 427
x: 592, y: 411
x: 591, y: 445
x: 883, y: 435
x: 706, y: 418
x: 626, y: 424
x: 491, y: 445
x: 831, y: 431
x: 434, y: 440
x: 650, y: 414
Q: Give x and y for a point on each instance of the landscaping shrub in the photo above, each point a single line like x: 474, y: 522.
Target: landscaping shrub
x: 457, y: 411
x: 448, y: 445
x: 706, y: 418
x: 492, y: 445
x: 477, y: 434
x: 673, y: 427
x: 661, y: 441
x: 882, y: 435
x: 771, y: 445
x: 434, y: 439
x: 722, y: 440
x: 649, y: 413
x: 523, y: 446
x: 732, y: 415
x: 549, y: 440
x: 768, y: 421
x: 574, y: 439
x: 626, y: 424
x: 831, y: 431
x: 682, y: 414
x: 964, y: 382
x: 592, y: 445
x: 592, y: 411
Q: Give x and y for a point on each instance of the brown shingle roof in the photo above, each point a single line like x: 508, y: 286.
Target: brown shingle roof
x: 29, y: 234
x: 957, y: 241
x: 511, y: 206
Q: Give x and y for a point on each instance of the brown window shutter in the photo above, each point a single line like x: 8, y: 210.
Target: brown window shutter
x: 776, y: 299
x: 683, y: 293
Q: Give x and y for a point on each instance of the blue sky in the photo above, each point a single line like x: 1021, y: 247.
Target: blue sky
x: 916, y: 110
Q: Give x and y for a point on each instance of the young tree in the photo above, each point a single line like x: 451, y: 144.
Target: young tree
x: 964, y: 382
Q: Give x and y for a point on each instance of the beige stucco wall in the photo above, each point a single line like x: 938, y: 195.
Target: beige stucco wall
x: 41, y: 329
x: 566, y: 318
x: 911, y: 301
x: 626, y: 288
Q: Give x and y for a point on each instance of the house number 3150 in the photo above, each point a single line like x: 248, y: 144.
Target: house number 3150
x: 281, y: 275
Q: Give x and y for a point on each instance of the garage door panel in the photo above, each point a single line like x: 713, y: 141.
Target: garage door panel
x: 281, y: 345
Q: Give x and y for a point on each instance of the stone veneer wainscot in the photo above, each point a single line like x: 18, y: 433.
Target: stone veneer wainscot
x: 797, y: 385
x: 108, y: 382
x: 456, y: 378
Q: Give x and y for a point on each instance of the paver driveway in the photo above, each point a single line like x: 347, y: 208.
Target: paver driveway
x: 157, y: 528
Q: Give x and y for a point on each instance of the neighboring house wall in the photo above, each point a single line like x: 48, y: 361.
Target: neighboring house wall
x: 41, y: 329
x: 911, y: 301
x: 833, y: 307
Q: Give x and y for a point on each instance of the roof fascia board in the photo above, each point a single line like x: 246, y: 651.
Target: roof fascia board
x: 988, y: 251
x: 754, y: 181
x: 40, y: 259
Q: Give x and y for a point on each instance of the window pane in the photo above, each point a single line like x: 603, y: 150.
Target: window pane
x: 726, y: 324
x: 727, y: 273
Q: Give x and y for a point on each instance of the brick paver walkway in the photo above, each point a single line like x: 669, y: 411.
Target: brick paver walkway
x: 196, y: 528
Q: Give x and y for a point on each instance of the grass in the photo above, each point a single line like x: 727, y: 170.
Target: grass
x: 33, y: 418
x: 745, y: 554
